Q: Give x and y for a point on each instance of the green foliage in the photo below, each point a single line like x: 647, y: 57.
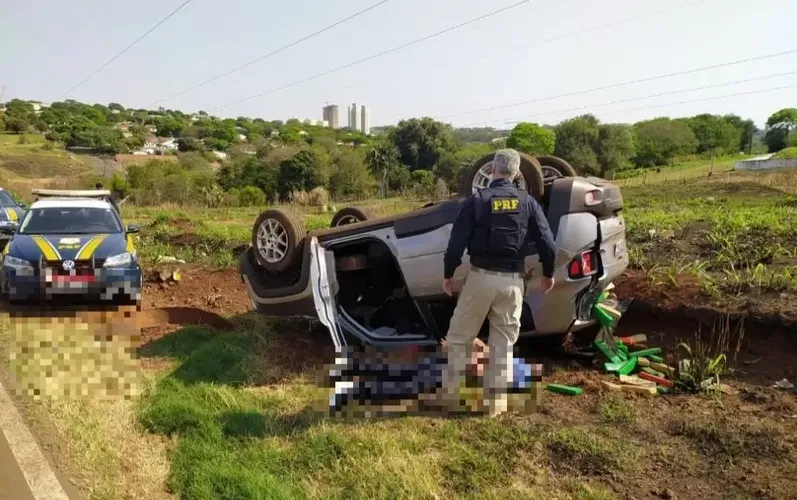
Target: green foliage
x: 16, y: 124
x: 251, y: 196
x: 576, y: 141
x: 302, y: 172
x: 350, y: 177
x: 615, y: 148
x: 532, y: 139
x: 786, y: 154
x: 421, y: 142
x: 381, y: 157
x: 715, y: 134
x: 478, y: 135
x: 780, y: 125
x: 660, y: 140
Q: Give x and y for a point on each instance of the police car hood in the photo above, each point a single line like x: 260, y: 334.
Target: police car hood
x: 12, y: 214
x: 67, y: 246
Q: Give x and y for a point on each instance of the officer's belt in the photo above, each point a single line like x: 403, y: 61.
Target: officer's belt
x: 496, y: 273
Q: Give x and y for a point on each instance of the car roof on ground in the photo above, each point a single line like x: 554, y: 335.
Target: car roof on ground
x: 70, y: 203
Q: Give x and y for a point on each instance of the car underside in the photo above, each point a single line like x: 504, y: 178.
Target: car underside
x: 379, y: 280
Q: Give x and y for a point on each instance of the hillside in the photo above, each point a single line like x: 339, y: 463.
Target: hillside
x: 32, y: 164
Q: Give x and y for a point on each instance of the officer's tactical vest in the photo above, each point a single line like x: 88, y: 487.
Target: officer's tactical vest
x: 501, y: 225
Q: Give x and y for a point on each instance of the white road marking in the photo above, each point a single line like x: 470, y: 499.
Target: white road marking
x: 40, y: 477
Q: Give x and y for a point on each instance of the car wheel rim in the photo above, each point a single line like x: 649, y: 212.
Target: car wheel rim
x: 272, y: 241
x: 348, y: 219
x: 483, y: 178
x: 550, y: 173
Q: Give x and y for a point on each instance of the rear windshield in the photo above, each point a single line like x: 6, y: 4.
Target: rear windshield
x: 71, y: 220
x: 6, y: 200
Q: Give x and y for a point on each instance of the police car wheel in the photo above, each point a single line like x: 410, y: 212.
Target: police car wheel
x: 349, y: 215
x: 278, y: 238
x: 531, y: 176
x: 553, y: 167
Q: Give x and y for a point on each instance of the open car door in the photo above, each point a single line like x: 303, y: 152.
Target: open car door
x: 323, y: 294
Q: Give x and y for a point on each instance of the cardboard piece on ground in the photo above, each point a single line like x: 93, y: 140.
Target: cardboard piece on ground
x: 634, y: 380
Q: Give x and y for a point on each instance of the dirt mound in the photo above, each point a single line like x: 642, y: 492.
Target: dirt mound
x: 218, y: 291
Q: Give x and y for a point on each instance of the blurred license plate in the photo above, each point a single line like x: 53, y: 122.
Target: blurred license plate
x: 60, y: 280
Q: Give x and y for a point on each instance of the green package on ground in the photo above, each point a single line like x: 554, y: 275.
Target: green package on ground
x: 623, y: 356
x: 657, y: 359
x: 613, y: 367
x: 604, y: 318
x: 564, y: 389
x: 646, y: 352
x: 601, y: 345
x: 661, y: 390
x: 628, y: 367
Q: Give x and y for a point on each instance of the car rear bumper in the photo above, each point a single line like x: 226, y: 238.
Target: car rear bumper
x: 105, y: 284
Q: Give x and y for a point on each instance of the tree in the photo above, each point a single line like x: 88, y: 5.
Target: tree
x: 18, y: 108
x: 532, y: 139
x: 615, y: 147
x: 381, y: 157
x: 421, y: 142
x: 747, y: 131
x: 658, y: 141
x: 17, y: 125
x: 94, y: 114
x: 350, y: 177
x: 576, y: 142
x: 299, y: 173
x: 779, y: 126
x: 116, y: 106
x: 714, y: 134
x: 186, y: 144
x: 251, y: 196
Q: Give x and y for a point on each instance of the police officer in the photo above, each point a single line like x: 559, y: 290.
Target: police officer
x: 496, y: 225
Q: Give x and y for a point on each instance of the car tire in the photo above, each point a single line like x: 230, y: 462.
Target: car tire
x: 277, y: 240
x: 529, y: 167
x: 350, y: 215
x: 556, y: 165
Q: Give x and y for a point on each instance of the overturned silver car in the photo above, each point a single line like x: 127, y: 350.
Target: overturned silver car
x: 379, y: 280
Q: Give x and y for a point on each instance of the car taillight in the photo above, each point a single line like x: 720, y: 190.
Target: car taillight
x: 582, y: 265
x: 593, y: 197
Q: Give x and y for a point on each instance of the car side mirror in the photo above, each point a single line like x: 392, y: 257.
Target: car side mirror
x: 133, y: 228
x: 22, y: 204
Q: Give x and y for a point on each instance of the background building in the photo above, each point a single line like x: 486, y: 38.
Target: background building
x: 354, y: 117
x: 365, y: 120
x: 331, y: 115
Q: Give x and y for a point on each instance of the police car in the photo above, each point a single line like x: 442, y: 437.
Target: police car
x: 379, y: 280
x: 11, y: 212
x: 71, y: 243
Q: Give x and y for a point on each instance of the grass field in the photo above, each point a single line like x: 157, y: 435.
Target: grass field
x: 233, y: 413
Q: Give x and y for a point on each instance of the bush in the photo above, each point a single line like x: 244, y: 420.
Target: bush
x: 251, y: 196
x: 440, y: 190
x: 299, y: 197
x: 232, y: 198
x: 23, y: 139
x: 318, y: 197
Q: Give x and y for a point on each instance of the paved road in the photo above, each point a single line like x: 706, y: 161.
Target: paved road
x: 25, y: 473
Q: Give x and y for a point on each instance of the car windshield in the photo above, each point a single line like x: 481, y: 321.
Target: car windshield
x: 6, y: 200
x: 70, y: 220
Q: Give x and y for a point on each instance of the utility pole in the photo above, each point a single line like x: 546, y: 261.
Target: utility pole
x: 2, y: 92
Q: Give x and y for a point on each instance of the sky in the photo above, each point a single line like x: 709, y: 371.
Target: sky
x: 538, y: 51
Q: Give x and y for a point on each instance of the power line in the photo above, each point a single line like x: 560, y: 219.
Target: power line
x: 615, y: 85
x: 662, y: 94
x: 751, y: 92
x: 380, y: 54
x: 554, y: 38
x: 277, y: 51
x: 123, y: 51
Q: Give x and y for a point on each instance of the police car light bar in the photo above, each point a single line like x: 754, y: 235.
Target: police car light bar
x: 68, y: 193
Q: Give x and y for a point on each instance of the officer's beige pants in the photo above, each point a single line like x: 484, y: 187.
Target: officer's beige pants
x: 499, y: 298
